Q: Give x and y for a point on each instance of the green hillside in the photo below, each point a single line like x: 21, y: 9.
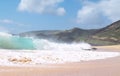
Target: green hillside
x: 109, y: 35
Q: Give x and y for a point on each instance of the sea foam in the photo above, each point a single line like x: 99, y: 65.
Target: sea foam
x: 17, y: 51
x: 13, y: 58
x: 7, y: 41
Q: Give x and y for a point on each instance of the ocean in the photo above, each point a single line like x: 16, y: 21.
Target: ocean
x: 7, y: 41
x: 18, y: 51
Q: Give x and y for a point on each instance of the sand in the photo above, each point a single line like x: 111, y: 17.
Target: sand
x: 109, y: 48
x: 103, y: 67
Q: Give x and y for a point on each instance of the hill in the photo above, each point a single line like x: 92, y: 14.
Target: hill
x: 109, y: 33
x: 105, y: 36
x: 71, y: 35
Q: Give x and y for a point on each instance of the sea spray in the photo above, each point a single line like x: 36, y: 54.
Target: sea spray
x: 17, y: 51
x: 14, y: 42
x: 5, y: 34
x: 8, y: 41
x: 43, y: 44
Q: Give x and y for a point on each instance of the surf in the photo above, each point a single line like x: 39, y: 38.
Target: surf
x: 7, y: 41
x: 20, y: 51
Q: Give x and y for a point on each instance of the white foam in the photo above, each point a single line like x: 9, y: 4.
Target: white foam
x: 43, y: 44
x: 51, y: 57
x: 5, y: 34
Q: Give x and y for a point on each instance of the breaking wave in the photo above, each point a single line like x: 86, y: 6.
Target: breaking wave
x: 7, y: 41
x: 40, y: 51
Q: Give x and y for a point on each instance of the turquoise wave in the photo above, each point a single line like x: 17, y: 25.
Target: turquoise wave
x: 13, y: 42
x: 8, y: 41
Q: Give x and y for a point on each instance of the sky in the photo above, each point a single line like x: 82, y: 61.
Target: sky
x: 18, y: 16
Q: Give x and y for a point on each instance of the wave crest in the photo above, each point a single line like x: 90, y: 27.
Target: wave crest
x: 7, y: 41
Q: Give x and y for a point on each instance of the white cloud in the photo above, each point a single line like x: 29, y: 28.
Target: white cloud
x: 60, y: 11
x: 100, y: 13
x: 8, y: 21
x: 42, y: 6
x: 111, y: 9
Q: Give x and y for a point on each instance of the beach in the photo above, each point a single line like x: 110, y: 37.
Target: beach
x: 102, y: 67
x: 60, y: 38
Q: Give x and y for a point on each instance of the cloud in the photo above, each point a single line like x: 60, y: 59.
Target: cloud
x: 99, y: 13
x: 111, y: 9
x: 42, y: 6
x: 8, y: 21
x: 60, y: 11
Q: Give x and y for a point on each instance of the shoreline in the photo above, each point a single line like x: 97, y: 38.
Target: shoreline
x: 105, y: 67
x: 102, y: 67
x: 15, y: 58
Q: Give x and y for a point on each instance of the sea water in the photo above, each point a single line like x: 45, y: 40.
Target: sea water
x: 15, y: 50
x: 8, y: 41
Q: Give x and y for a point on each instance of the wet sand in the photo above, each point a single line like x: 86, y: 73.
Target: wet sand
x: 103, y: 67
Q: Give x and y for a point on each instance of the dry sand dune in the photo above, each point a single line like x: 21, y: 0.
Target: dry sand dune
x: 105, y: 67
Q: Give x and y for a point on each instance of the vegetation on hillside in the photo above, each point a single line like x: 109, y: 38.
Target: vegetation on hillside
x: 106, y: 36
